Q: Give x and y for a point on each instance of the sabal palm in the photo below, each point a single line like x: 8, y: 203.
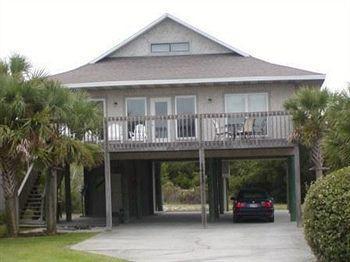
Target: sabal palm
x: 33, y: 110
x: 337, y: 139
x: 308, y: 107
x: 23, y: 124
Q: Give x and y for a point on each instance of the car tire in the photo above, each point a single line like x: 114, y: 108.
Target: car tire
x: 235, y: 219
x: 272, y: 219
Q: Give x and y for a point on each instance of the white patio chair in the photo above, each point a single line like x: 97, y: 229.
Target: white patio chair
x: 139, y: 133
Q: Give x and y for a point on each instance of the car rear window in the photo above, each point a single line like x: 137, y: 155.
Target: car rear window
x: 252, y: 194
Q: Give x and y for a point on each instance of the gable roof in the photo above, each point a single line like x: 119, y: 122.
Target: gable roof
x: 186, y: 69
x: 158, y: 21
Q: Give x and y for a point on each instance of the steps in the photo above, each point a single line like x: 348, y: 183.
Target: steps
x: 33, y: 207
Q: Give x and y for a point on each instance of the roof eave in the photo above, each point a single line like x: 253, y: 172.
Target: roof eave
x: 93, y: 85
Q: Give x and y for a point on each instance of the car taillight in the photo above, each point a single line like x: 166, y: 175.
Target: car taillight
x: 239, y: 204
x: 267, y: 204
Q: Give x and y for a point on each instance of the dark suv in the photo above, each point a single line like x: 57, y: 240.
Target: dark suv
x: 253, y: 204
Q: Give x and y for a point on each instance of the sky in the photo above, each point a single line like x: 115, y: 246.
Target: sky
x: 59, y: 35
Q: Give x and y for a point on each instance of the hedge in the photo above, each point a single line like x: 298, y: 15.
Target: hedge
x: 327, y: 217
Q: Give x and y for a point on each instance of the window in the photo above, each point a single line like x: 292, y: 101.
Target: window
x: 180, y: 47
x: 160, y: 48
x: 186, y: 124
x: 170, y: 47
x: 253, y: 102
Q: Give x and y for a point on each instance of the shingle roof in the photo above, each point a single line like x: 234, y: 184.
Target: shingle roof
x: 177, y: 67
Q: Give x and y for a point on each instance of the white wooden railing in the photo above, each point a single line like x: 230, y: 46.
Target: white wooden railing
x: 212, y: 130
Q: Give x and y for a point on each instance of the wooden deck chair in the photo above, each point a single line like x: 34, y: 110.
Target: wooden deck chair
x: 248, y: 127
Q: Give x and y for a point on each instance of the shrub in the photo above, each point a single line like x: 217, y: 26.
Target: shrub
x: 327, y: 216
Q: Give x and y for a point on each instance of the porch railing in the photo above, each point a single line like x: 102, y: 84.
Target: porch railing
x: 185, y: 131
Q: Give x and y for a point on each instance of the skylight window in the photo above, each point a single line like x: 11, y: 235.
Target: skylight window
x: 170, y: 47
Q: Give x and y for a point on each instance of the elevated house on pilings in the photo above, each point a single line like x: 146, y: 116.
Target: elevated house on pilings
x: 172, y: 92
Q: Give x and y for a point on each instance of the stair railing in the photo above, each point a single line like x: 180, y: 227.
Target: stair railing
x: 26, y: 186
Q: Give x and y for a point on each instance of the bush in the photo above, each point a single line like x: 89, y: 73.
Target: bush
x: 327, y: 217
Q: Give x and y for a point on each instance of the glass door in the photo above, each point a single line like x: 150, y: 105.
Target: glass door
x: 136, y: 110
x: 161, y: 108
x: 186, y: 126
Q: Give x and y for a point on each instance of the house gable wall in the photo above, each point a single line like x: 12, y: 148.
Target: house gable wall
x: 169, y: 31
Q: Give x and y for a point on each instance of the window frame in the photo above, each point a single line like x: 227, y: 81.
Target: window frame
x: 179, y: 51
x: 246, y: 102
x: 157, y: 44
x: 195, y: 112
x: 170, y: 49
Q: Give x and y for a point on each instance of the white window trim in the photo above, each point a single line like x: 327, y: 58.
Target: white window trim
x: 153, y: 100
x: 195, y: 112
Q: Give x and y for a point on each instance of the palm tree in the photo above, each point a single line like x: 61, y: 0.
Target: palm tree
x: 23, y: 123
x: 308, y: 107
x: 71, y: 117
x: 34, y: 113
x: 337, y: 139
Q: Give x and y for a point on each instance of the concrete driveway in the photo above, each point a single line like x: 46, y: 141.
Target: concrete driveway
x: 180, y: 237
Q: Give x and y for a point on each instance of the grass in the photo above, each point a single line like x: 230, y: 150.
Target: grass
x: 47, y: 248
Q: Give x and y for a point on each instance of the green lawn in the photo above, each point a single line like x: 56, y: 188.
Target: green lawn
x: 47, y: 248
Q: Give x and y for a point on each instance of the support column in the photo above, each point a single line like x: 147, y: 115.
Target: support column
x: 211, y: 200
x: 139, y: 200
x: 68, y: 194
x: 221, y: 183
x: 291, y: 183
x: 125, y: 194
x: 297, y: 186
x: 225, y: 171
x: 108, y: 188
x: 158, y: 182
x: 202, y: 186
x: 154, y: 186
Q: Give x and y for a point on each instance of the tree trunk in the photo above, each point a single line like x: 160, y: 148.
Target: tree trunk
x: 51, y: 201
x: 68, y: 195
x: 9, y: 185
x: 317, y: 159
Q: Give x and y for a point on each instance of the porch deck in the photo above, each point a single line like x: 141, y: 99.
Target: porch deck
x: 193, y: 131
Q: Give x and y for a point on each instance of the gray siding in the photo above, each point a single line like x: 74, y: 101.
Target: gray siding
x: 165, y: 32
x: 115, y: 99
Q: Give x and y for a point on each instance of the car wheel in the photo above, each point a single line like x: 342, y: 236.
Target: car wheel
x: 235, y: 219
x: 272, y: 219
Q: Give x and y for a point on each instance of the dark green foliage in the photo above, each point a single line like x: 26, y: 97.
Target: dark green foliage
x: 327, y: 217
x: 182, y: 174
x: 337, y: 137
x: 266, y: 174
x: 180, y: 182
